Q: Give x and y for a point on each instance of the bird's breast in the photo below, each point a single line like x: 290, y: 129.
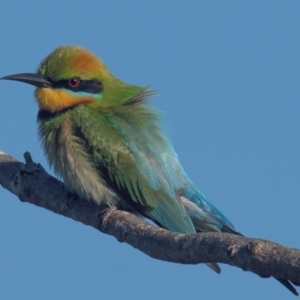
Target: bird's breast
x: 71, y: 161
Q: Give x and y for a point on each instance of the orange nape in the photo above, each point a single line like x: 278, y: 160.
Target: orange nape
x: 71, y: 61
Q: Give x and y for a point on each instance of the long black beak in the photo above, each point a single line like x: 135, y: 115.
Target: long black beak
x: 31, y: 78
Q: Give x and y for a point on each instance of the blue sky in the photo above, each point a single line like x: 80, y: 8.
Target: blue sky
x: 228, y: 78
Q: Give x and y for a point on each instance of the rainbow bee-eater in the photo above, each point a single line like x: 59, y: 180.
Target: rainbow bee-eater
x: 99, y: 135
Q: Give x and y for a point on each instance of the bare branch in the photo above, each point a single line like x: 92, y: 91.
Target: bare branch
x: 32, y: 184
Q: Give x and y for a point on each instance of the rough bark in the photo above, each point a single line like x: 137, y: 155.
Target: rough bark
x: 32, y: 184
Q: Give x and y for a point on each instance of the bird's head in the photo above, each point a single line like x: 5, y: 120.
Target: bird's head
x: 70, y: 76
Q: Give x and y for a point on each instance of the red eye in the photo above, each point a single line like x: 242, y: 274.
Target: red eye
x: 74, y: 82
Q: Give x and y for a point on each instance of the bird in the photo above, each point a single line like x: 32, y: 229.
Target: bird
x: 101, y: 137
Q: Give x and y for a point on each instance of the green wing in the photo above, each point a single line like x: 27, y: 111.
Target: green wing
x: 112, y: 155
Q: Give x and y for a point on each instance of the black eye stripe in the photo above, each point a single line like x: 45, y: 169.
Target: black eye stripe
x: 92, y: 86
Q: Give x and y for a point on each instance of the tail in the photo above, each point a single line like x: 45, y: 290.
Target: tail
x: 206, y: 217
x: 286, y: 283
x: 215, y: 267
x: 289, y: 285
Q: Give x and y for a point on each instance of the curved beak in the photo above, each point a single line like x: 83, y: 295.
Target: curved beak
x: 30, y: 78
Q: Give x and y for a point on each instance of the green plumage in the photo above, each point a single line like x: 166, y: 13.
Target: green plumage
x: 105, y: 143
x: 85, y: 147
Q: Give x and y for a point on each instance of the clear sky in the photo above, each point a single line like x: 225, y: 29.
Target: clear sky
x: 228, y: 78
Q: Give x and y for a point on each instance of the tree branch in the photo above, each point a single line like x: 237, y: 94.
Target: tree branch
x: 32, y: 184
